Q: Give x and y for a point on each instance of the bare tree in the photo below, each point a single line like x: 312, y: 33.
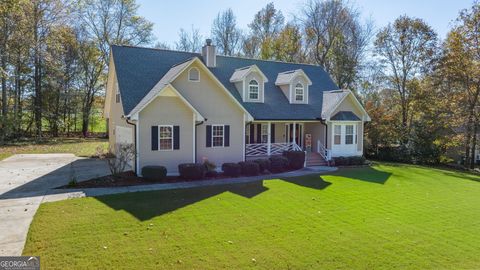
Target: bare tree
x: 225, y: 34
x: 124, y: 154
x: 189, y: 42
x: 336, y: 38
x: 114, y: 22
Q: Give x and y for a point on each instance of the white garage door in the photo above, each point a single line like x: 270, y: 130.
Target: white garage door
x: 123, y: 135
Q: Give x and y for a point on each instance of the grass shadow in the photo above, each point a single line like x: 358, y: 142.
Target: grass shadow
x: 463, y: 175
x: 366, y: 174
x: 156, y: 203
x: 313, y: 181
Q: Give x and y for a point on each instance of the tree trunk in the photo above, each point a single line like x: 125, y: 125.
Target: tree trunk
x: 474, y: 145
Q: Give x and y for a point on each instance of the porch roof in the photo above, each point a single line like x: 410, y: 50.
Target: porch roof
x: 345, y: 116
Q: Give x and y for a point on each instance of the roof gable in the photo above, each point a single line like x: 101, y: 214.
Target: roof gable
x: 288, y: 76
x: 242, y: 73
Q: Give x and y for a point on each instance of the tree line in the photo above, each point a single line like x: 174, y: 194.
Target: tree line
x: 54, y: 58
x: 422, y: 91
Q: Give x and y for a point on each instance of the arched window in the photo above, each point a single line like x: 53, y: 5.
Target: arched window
x: 253, y: 90
x: 299, y: 92
x: 194, y: 74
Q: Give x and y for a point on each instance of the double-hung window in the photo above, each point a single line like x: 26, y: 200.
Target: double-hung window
x: 349, y: 134
x: 264, y: 133
x: 218, y: 135
x: 337, y: 134
x: 166, y: 137
x: 253, y: 90
x: 299, y: 92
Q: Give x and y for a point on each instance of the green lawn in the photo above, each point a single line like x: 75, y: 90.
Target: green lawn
x: 78, y: 146
x: 385, y: 217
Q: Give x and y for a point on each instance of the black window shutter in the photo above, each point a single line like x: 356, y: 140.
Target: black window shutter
x: 209, y: 136
x: 259, y: 133
x: 154, y: 137
x: 226, y: 136
x: 272, y: 133
x: 252, y: 133
x: 176, y: 137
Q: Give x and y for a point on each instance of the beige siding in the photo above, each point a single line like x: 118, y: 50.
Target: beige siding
x: 348, y: 105
x: 166, y: 110
x: 218, y: 108
x: 115, y: 113
x: 286, y: 90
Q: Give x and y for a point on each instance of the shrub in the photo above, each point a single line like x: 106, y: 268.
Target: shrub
x: 209, y: 166
x: 154, y: 173
x: 347, y: 161
x: 193, y: 171
x: 296, y: 159
x: 278, y: 164
x: 249, y: 168
x: 264, y: 164
x: 231, y: 169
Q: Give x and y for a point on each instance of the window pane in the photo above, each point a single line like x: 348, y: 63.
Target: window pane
x: 349, y: 129
x: 337, y: 139
x: 217, y: 136
x: 166, y: 138
x: 253, y: 93
x: 338, y: 129
x: 348, y: 139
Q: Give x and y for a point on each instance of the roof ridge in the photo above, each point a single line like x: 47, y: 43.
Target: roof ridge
x: 154, y: 49
x: 268, y: 60
x: 218, y: 55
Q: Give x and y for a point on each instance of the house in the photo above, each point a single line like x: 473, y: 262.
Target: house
x: 180, y: 107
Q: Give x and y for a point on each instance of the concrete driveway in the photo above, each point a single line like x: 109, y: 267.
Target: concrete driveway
x: 25, y: 180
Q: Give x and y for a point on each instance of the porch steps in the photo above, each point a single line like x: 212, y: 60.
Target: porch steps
x: 315, y: 159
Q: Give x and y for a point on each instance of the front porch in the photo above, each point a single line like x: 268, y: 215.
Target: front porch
x: 263, y: 139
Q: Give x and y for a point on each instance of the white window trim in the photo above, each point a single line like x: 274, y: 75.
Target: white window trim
x: 258, y: 90
x: 335, y: 134
x: 303, y: 92
x: 247, y: 134
x: 223, y: 136
x: 159, y: 137
x: 353, y: 134
x: 189, y: 70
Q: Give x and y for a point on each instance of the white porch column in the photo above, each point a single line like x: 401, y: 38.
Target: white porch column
x: 295, y: 132
x: 269, y: 140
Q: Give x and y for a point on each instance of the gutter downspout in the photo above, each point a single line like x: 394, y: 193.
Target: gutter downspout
x: 134, y: 142
x: 201, y: 123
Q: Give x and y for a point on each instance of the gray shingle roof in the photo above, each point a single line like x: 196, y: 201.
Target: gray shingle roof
x: 140, y: 69
x: 345, y: 116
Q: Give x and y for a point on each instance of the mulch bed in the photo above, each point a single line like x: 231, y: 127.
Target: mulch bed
x: 130, y: 179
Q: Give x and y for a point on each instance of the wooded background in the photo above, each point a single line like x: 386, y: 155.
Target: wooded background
x: 421, y: 91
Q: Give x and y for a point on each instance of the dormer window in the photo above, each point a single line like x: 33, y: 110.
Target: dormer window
x: 294, y: 85
x: 250, y: 83
x: 253, y: 90
x: 194, y: 75
x: 299, y: 92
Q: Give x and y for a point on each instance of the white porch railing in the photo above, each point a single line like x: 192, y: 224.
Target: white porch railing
x: 325, y: 153
x: 264, y: 149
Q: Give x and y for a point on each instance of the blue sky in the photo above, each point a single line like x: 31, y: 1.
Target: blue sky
x: 170, y: 16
